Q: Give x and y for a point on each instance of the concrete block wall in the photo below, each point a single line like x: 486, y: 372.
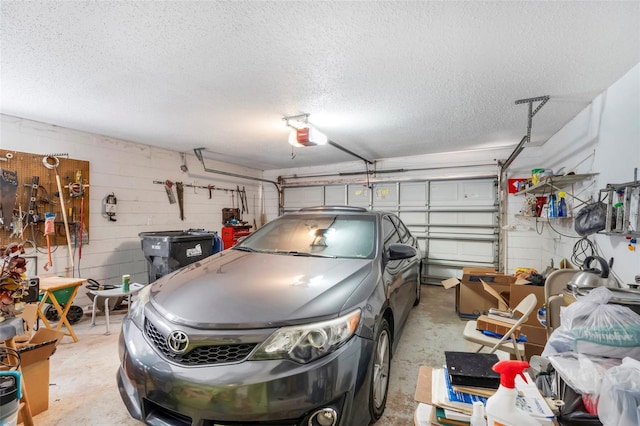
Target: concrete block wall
x: 128, y: 170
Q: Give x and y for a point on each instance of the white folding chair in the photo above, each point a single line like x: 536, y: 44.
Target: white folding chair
x: 554, y: 287
x: 507, y: 343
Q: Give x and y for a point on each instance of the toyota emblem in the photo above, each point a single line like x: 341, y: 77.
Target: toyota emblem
x: 178, y: 341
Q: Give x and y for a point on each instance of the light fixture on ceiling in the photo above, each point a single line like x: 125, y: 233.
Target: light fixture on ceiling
x: 303, y: 133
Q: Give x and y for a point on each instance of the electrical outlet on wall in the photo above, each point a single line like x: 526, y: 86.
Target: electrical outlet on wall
x: 149, y: 220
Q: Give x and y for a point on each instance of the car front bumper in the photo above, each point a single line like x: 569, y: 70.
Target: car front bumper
x: 160, y: 392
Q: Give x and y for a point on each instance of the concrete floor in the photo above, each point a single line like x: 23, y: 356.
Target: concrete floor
x: 83, y: 389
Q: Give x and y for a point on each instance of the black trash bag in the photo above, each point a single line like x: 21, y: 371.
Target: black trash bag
x: 536, y: 279
x: 591, y: 218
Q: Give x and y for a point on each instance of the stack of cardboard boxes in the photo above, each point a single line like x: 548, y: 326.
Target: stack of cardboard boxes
x: 506, y: 291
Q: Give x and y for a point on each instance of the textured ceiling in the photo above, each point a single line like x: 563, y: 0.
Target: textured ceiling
x: 384, y: 79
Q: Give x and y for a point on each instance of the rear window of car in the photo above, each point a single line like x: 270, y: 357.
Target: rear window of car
x: 344, y: 236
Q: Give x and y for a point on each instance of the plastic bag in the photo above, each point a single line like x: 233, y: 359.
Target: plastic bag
x: 619, y: 403
x: 594, y: 327
x: 591, y: 218
x: 49, y: 223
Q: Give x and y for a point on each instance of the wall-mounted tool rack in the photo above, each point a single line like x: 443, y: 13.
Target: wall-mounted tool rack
x: 189, y: 185
x: 623, y: 209
x: 35, y: 194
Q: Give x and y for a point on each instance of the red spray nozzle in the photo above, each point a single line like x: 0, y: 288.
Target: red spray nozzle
x: 508, y: 370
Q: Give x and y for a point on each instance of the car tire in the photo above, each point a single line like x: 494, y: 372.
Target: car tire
x: 418, y: 286
x: 381, y: 366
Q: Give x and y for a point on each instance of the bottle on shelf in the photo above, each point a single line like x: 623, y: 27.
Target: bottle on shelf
x: 562, y: 204
x: 553, y: 207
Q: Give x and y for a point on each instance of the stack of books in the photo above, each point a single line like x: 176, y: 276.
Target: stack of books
x: 469, y: 377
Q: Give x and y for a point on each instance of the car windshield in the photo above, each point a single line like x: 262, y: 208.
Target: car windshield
x: 315, y: 235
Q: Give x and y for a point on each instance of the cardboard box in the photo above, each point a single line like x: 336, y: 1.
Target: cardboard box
x: 471, y: 298
x: 535, y: 335
x: 34, y: 363
x: 36, y: 380
x: 29, y: 315
x: 531, y: 349
x: 519, y: 292
x: 40, y: 347
x: 423, y: 387
x: 495, y: 326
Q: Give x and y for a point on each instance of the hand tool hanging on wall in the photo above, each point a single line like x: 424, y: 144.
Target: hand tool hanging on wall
x: 245, y: 202
x: 49, y: 226
x: 81, y: 230
x: 8, y: 190
x: 263, y: 213
x: 255, y: 225
x: 76, y: 188
x: 167, y: 187
x: 240, y: 200
x: 33, y: 216
x: 210, y: 188
x: 17, y: 225
x: 51, y: 162
x: 180, y: 192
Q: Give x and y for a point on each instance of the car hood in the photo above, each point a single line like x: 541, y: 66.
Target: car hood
x: 237, y: 289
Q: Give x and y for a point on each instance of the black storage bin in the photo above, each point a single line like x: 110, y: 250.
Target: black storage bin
x: 168, y: 251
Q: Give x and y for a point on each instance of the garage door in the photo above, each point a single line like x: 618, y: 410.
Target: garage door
x: 456, y: 221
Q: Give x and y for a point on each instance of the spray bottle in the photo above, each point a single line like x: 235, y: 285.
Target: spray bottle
x: 562, y: 204
x: 501, y: 407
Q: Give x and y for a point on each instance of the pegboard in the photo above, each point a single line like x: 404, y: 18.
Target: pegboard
x: 33, y: 200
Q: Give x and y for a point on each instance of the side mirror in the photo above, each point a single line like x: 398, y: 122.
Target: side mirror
x: 401, y: 251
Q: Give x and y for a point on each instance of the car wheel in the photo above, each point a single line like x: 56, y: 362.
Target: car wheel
x: 418, y: 286
x: 380, y: 375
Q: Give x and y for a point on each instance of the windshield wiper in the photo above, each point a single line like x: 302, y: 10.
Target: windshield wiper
x: 243, y: 248
x: 305, y: 254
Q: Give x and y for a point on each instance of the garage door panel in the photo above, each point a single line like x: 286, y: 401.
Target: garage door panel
x: 297, y: 198
x: 480, y: 191
x: 482, y: 249
x: 442, y: 247
x: 385, y: 195
x: 335, y: 195
x: 443, y: 231
x: 413, y: 194
x: 413, y: 218
x: 461, y: 249
x: 463, y: 218
x: 358, y: 195
x: 463, y: 193
x: 443, y: 193
x: 438, y: 272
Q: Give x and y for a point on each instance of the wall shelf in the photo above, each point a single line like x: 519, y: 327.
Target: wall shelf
x: 555, y: 183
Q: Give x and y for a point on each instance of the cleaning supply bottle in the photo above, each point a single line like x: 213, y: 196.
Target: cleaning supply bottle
x: 477, y: 418
x: 553, y: 207
x: 501, y: 407
x: 562, y: 204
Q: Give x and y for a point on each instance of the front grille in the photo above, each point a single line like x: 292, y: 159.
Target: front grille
x: 200, y: 355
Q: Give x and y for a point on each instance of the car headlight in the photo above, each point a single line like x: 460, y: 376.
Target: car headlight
x: 136, y: 311
x: 305, y: 343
